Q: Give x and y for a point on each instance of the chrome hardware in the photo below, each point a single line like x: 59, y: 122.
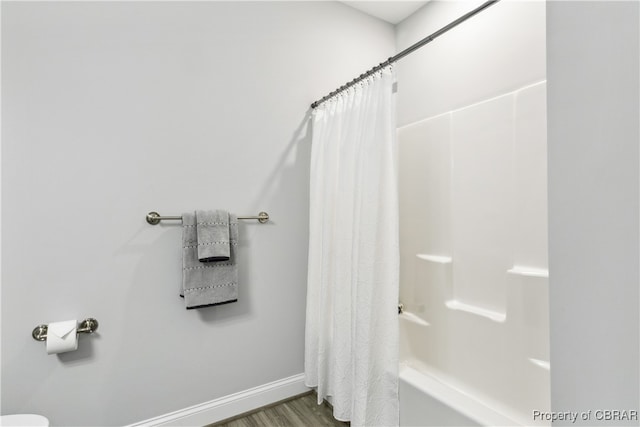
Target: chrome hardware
x: 40, y: 333
x: 87, y: 326
x: 154, y: 218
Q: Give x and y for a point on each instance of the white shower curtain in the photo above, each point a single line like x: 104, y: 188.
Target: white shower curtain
x: 351, y: 346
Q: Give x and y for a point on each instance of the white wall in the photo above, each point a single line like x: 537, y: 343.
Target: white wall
x: 593, y: 71
x: 473, y: 201
x: 497, y: 51
x: 111, y: 110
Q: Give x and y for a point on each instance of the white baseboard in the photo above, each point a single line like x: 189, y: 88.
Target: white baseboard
x: 231, y: 405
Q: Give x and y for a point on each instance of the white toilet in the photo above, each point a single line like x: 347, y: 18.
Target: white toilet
x: 23, y: 420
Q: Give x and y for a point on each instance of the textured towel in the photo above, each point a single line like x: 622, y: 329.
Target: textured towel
x: 207, y: 283
x: 213, y: 235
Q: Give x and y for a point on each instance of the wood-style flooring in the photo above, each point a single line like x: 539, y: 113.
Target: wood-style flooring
x: 300, y: 411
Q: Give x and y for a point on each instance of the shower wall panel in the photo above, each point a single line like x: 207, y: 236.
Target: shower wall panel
x: 472, y: 138
x: 425, y: 159
x: 482, y: 195
x: 473, y: 249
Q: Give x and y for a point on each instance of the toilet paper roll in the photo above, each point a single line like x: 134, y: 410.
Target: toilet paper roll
x: 62, y: 336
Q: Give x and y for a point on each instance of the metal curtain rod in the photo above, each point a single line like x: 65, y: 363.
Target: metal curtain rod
x: 407, y: 51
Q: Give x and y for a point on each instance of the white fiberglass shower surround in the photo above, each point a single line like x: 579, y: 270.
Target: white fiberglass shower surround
x: 474, y: 333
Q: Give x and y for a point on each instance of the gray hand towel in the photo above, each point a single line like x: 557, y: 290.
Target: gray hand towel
x: 207, y: 283
x: 213, y: 235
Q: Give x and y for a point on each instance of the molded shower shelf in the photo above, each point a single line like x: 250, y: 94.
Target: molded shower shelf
x: 541, y: 363
x: 496, y: 316
x: 435, y: 258
x: 414, y: 319
x: 528, y: 271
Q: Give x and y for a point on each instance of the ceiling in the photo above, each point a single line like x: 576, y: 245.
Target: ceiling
x: 390, y: 11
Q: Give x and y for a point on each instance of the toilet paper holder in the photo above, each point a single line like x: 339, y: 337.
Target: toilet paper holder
x: 87, y: 326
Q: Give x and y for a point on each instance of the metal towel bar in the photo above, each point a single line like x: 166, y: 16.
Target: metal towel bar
x: 154, y: 218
